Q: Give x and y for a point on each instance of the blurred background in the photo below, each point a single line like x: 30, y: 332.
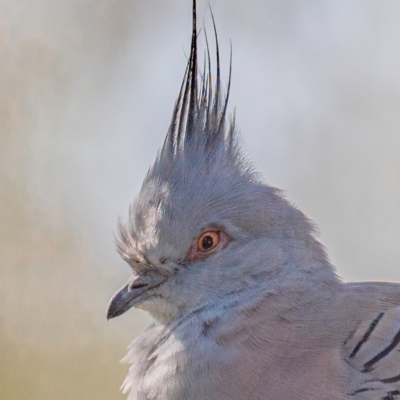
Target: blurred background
x: 86, y: 94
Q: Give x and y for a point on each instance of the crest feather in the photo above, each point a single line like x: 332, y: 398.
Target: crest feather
x: 199, y: 114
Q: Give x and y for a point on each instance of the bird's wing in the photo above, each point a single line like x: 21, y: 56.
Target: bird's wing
x: 373, y: 353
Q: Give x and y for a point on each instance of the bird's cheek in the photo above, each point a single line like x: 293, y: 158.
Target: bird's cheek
x: 195, y: 255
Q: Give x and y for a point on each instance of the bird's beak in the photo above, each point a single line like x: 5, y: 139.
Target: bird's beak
x: 132, y: 292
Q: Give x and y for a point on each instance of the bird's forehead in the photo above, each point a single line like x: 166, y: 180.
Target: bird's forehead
x: 167, y: 217
x: 158, y: 211
x: 149, y: 211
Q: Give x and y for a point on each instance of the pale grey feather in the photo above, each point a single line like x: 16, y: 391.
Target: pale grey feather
x: 264, y: 316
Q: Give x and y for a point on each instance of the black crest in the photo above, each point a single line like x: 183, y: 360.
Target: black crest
x: 200, y: 110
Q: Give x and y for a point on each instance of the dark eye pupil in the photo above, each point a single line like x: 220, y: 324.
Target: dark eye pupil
x: 207, y: 242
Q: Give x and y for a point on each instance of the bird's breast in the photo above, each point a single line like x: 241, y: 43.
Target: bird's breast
x: 217, y: 356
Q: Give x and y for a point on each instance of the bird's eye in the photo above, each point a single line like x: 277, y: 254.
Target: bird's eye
x: 208, y: 241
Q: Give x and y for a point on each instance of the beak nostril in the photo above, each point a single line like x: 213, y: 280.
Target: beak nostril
x: 137, y: 286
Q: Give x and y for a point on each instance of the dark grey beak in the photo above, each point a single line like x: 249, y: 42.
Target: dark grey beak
x: 132, y: 292
x: 123, y: 300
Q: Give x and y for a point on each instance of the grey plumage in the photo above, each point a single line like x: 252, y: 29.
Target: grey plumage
x: 245, y: 301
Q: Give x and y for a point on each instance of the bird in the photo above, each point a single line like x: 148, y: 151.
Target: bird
x: 245, y: 302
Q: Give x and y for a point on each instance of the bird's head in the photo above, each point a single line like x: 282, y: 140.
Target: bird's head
x: 201, y: 225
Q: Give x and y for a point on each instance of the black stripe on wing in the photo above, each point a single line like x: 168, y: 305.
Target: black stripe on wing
x: 394, y: 379
x: 391, y: 395
x: 381, y: 394
x: 374, y: 351
x: 367, y: 334
x: 368, y: 366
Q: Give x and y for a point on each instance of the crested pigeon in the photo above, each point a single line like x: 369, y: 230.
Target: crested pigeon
x: 246, y: 304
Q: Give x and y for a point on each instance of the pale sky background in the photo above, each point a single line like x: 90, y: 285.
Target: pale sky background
x: 86, y: 93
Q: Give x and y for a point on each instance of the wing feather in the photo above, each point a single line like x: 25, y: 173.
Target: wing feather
x: 373, y: 351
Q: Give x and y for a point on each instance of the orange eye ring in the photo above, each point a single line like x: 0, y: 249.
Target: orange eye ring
x: 208, y: 241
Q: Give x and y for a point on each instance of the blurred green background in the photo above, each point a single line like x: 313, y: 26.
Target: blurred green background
x: 86, y: 92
